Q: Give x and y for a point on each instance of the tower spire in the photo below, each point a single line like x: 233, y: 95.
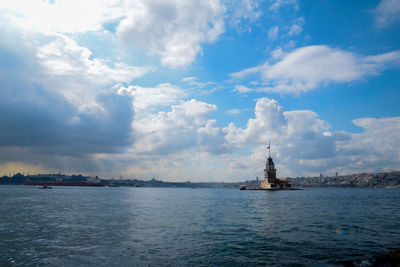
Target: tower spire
x: 269, y: 149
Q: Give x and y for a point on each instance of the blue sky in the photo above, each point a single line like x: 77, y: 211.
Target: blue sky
x: 195, y: 90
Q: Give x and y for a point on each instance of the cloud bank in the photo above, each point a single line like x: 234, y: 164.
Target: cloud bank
x: 185, y: 138
x: 58, y: 108
x: 311, y: 67
x: 65, y: 107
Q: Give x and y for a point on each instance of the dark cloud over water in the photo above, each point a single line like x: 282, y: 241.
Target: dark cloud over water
x: 37, y: 119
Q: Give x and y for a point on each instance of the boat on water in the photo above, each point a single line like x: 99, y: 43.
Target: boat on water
x: 242, y: 187
x: 45, y: 187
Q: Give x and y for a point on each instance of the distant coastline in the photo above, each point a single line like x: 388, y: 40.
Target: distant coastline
x: 383, y: 179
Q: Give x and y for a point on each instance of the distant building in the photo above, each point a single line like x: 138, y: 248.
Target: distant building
x: 271, y: 182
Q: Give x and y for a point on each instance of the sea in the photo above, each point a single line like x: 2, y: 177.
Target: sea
x: 83, y: 226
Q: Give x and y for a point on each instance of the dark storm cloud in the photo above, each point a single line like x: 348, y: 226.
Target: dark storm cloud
x: 38, y: 119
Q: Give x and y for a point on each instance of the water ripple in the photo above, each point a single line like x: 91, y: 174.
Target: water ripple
x: 204, y: 227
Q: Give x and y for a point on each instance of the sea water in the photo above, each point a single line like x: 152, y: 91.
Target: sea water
x: 73, y: 226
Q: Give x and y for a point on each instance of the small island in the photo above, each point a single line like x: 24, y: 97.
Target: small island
x: 270, y: 181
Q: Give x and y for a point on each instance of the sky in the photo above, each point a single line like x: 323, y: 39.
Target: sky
x: 195, y: 90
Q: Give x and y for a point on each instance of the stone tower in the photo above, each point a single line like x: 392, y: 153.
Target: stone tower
x: 271, y: 182
x: 270, y: 171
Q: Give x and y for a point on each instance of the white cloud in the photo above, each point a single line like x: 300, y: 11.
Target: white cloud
x: 189, y: 79
x: 146, y: 99
x: 294, y: 135
x: 309, y: 67
x: 195, y: 81
x: 185, y: 143
x: 243, y: 11
x: 60, y: 64
x: 380, y: 137
x: 173, y: 30
x: 241, y: 89
x: 74, y: 72
x: 303, y: 144
x: 177, y: 130
x: 273, y: 32
x: 277, y: 4
x: 61, y: 15
x: 236, y: 111
x: 63, y: 56
x: 291, y: 44
x: 295, y: 30
x: 266, y: 124
x: 377, y: 148
x: 373, y: 64
x: 254, y: 83
x: 305, y: 120
x: 277, y: 53
x: 211, y: 138
x: 246, y: 72
x: 387, y: 12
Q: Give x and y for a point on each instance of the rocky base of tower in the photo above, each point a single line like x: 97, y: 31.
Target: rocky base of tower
x: 279, y: 184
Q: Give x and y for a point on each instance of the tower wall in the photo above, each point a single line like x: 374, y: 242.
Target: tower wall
x: 270, y: 171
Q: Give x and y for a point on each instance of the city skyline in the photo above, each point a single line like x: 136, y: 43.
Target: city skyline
x: 196, y: 90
